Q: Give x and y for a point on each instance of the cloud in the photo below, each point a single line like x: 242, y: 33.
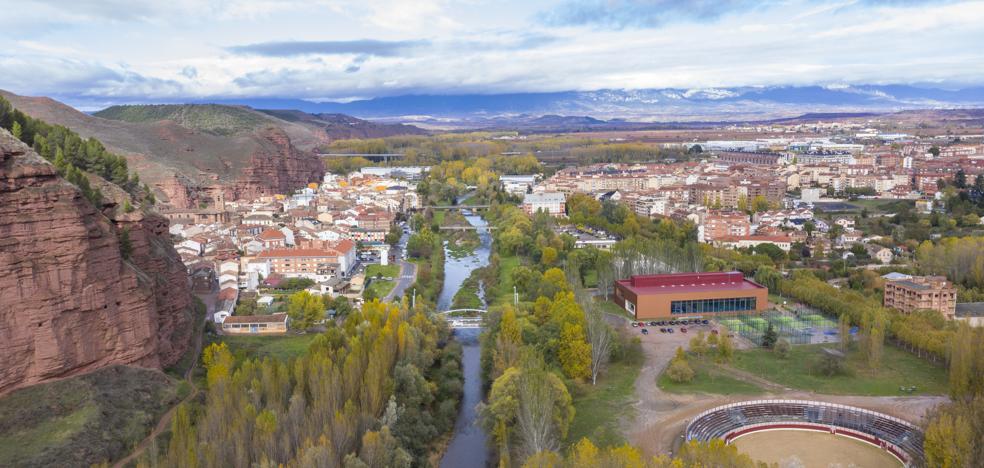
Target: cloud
x: 618, y: 14
x: 362, y: 47
x: 642, y: 13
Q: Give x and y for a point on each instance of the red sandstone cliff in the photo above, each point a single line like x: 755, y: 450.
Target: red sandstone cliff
x: 277, y: 166
x: 69, y: 302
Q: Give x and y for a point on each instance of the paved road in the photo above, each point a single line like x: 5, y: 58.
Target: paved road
x: 408, y: 272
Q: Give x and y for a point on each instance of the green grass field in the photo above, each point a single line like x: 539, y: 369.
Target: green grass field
x: 84, y: 420
x: 898, y: 368
x: 599, y: 409
x: 380, y: 288
x: 503, y: 293
x: 280, y: 347
x: 708, y: 378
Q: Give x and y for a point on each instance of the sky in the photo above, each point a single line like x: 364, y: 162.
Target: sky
x: 91, y: 53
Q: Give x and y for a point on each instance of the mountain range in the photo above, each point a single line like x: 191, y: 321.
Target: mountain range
x: 643, y: 105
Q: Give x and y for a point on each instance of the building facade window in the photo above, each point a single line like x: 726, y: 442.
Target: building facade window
x: 699, y: 306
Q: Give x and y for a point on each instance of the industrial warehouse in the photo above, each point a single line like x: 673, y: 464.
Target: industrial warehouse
x: 673, y: 295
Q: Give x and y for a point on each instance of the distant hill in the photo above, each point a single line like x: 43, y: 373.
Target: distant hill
x: 644, y: 105
x: 219, y: 119
x: 210, y: 118
x: 192, y: 153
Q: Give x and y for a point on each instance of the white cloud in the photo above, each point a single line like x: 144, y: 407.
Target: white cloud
x: 181, y: 48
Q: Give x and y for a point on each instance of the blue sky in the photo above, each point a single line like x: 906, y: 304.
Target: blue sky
x: 92, y: 52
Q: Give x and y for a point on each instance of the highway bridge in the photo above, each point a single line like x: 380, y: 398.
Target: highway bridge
x: 454, y: 207
x: 466, y: 228
x: 374, y: 157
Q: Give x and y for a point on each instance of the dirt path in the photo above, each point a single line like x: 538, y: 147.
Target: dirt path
x: 660, y: 418
x: 165, y: 422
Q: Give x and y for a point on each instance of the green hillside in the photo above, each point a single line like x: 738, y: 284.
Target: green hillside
x: 210, y: 118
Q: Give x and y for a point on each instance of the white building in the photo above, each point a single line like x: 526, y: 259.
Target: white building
x: 554, y: 203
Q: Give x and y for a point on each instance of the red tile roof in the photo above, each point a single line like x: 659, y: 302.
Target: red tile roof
x: 688, y: 282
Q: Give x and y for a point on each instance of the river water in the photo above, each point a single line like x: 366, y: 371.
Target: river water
x: 467, y: 447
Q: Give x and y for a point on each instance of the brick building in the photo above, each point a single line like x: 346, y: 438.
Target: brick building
x: 922, y: 292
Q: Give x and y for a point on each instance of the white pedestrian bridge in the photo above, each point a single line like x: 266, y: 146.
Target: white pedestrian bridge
x: 457, y: 321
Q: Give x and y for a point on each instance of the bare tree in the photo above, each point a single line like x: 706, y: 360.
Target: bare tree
x: 600, y: 337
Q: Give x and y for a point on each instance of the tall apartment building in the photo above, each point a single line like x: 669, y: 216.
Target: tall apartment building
x: 922, y: 292
x: 722, y: 224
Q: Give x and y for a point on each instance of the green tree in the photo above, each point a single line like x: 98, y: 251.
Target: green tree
x: 769, y: 337
x: 726, y: 348
x: 126, y: 246
x: 305, y: 309
x: 679, y: 370
x: 17, y: 130
x: 948, y: 441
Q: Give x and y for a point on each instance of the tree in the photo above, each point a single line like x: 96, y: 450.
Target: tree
x: 769, y: 337
x: 548, y: 255
x: 960, y: 179
x: 697, y: 344
x: 574, y: 352
x: 529, y: 410
x: 726, y: 349
x: 305, y: 309
x: 844, y: 332
x: 680, y: 371
x: 601, y: 338
x: 809, y: 227
x: 17, y: 130
x: 935, y: 151
x: 782, y: 348
x: 126, y: 247
x: 760, y: 204
x: 948, y: 442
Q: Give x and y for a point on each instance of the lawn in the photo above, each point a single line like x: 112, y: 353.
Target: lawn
x: 898, y: 368
x: 599, y: 409
x: 708, y: 378
x: 504, y: 286
x: 391, y: 271
x: 280, y: 347
x: 614, y: 309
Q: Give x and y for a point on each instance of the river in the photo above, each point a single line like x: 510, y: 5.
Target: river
x: 467, y: 447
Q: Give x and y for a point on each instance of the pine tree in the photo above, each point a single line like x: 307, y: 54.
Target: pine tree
x: 769, y: 337
x: 17, y: 130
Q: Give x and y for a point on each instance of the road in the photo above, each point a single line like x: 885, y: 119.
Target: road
x: 408, y: 271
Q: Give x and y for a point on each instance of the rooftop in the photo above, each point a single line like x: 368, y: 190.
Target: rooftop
x: 689, y: 282
x: 272, y: 318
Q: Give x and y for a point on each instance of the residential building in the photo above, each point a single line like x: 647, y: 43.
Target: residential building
x: 553, y: 203
x: 922, y: 292
x: 720, y: 224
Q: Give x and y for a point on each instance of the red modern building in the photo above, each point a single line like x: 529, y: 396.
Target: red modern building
x: 690, y: 294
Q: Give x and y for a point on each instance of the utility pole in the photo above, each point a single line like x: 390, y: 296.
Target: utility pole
x: 413, y: 300
x: 515, y: 296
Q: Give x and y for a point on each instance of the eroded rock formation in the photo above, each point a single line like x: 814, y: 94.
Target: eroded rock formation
x: 69, y: 302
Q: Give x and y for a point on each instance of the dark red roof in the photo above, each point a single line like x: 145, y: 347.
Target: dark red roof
x: 688, y: 282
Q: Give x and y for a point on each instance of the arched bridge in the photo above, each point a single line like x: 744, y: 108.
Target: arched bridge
x: 463, y: 322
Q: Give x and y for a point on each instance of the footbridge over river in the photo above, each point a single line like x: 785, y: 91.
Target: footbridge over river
x: 459, y: 321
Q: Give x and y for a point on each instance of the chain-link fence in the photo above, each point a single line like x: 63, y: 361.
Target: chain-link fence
x: 798, y: 327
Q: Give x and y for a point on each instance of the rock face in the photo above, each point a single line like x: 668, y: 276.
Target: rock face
x: 276, y: 167
x: 69, y: 302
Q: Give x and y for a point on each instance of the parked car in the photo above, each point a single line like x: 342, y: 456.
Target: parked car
x: 669, y: 330
x: 645, y: 332
x: 705, y: 322
x: 635, y: 325
x: 683, y: 329
x: 652, y: 324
